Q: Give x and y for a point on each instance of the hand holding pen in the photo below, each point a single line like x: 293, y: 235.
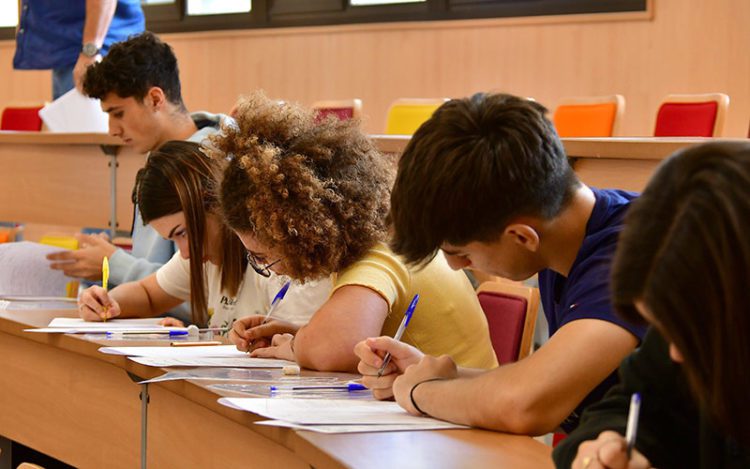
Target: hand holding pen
x: 95, y: 304
x: 611, y: 450
x: 256, y: 331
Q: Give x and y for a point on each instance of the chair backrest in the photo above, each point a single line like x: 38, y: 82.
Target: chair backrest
x: 595, y: 116
x: 406, y: 115
x: 511, y: 311
x: 342, y: 108
x: 21, y: 118
x: 691, y: 115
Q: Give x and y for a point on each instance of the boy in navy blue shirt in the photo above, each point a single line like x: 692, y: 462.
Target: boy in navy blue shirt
x: 487, y: 182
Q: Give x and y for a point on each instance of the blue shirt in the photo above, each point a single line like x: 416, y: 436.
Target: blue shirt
x: 585, y: 293
x: 50, y: 32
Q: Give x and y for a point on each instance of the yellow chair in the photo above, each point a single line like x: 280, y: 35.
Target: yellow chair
x: 341, y: 108
x: 595, y: 116
x: 406, y: 115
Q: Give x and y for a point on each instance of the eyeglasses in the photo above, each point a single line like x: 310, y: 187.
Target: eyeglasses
x: 265, y: 270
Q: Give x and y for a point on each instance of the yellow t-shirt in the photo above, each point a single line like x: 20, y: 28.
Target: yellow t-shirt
x: 448, y: 318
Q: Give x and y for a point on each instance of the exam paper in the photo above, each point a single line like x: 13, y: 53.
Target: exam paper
x: 79, y: 326
x: 327, y: 411
x: 248, y: 375
x: 432, y: 424
x: 205, y: 351
x: 74, y: 112
x: 243, y: 360
x: 25, y: 271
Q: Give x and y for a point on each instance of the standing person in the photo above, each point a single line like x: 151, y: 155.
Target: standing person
x: 682, y: 266
x: 308, y: 200
x: 486, y: 181
x: 68, y: 36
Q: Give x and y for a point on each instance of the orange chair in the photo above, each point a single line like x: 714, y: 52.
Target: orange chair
x: 596, y: 116
x: 511, y: 310
x: 691, y: 115
x: 21, y: 118
x: 342, y: 108
x: 406, y: 115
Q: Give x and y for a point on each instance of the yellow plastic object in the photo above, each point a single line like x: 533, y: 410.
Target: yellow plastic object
x: 65, y: 242
x: 404, y: 118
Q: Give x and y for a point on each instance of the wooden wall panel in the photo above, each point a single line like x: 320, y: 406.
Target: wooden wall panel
x: 689, y: 46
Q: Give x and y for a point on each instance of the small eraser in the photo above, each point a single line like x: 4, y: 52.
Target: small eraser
x: 291, y: 369
x: 192, y: 330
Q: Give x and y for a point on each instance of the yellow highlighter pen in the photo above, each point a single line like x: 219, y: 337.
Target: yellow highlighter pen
x: 105, y: 278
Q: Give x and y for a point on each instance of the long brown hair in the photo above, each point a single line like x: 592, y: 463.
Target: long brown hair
x: 685, y: 253
x: 178, y: 177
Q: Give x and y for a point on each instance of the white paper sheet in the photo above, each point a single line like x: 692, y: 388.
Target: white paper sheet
x: 74, y: 112
x: 223, y: 351
x: 328, y: 411
x: 233, y: 361
x: 72, y: 323
x: 24, y: 271
x: 331, y: 429
x: 245, y: 375
x: 79, y: 326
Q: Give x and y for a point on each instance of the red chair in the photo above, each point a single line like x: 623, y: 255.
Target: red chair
x: 692, y: 115
x: 343, y: 109
x: 511, y: 311
x: 21, y: 118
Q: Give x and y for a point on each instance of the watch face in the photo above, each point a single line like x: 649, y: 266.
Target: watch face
x: 89, y: 49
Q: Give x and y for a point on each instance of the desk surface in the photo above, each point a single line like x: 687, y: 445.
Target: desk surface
x: 58, y: 138
x: 77, y: 367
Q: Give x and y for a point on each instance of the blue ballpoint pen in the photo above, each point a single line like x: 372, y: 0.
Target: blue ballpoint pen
x: 276, y: 300
x: 171, y: 333
x: 632, y: 427
x: 324, y: 387
x: 400, y: 331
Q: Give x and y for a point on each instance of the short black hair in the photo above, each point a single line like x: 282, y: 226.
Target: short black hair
x: 470, y: 169
x: 132, y: 67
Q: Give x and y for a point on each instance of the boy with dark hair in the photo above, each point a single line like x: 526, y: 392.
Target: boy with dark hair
x: 138, y: 83
x: 486, y: 180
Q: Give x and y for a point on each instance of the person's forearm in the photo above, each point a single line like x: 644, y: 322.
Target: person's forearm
x: 134, y: 300
x: 99, y: 14
x: 325, y: 352
x: 504, y: 399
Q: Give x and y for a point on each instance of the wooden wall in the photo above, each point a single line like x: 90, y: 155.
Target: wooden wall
x: 688, y: 46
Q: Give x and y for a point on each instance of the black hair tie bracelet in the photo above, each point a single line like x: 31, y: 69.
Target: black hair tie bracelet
x: 411, y: 393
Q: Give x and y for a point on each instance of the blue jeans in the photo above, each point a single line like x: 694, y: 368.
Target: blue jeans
x: 62, y: 81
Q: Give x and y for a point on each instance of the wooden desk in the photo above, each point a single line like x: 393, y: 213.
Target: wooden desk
x: 64, y: 398
x: 67, y: 179
x: 620, y: 162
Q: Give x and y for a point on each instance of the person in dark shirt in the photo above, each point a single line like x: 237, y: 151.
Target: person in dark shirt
x: 682, y: 265
x: 486, y: 181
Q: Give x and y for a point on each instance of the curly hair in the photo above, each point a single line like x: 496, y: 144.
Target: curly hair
x: 132, y: 67
x: 316, y: 191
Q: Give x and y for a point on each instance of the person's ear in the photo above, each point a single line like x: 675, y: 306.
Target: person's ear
x: 524, y: 236
x: 155, y: 98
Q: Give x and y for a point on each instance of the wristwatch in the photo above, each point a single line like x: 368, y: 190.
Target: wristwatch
x: 89, y: 49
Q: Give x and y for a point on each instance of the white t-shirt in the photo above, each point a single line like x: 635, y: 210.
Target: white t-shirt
x: 253, y: 297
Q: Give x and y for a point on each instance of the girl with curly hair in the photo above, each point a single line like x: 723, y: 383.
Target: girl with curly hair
x: 309, y: 199
x: 176, y: 193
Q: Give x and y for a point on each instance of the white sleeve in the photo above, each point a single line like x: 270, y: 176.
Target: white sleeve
x: 301, y: 300
x: 174, y: 277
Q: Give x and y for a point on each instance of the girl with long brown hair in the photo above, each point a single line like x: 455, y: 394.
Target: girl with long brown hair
x: 176, y: 193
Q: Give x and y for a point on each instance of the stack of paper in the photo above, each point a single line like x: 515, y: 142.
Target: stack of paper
x: 336, y: 415
x: 214, y: 355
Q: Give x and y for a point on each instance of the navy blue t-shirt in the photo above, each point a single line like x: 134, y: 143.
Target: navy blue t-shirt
x: 585, y: 293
